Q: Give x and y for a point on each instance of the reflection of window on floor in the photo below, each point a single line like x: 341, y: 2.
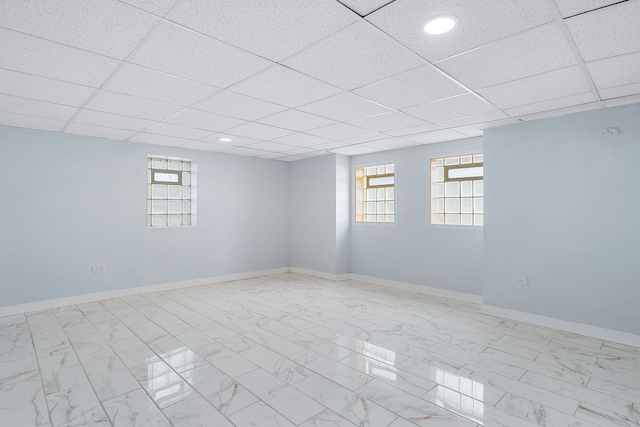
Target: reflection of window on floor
x: 460, y: 395
x: 380, y: 362
x: 164, y: 385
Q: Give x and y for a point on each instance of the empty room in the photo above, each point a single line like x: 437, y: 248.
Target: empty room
x: 274, y: 213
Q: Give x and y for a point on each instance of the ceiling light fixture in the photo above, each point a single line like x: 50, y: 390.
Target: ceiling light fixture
x: 225, y: 139
x: 440, y: 24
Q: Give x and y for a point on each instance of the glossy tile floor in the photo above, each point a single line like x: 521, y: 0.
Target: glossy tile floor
x: 294, y: 350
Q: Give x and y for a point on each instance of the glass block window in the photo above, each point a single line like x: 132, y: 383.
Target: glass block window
x: 170, y: 188
x: 457, y: 190
x: 375, y: 194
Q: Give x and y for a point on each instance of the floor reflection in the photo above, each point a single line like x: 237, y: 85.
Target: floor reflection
x: 460, y: 395
x: 164, y: 385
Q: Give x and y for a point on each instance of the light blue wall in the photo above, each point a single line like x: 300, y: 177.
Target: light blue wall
x: 70, y: 202
x: 412, y: 250
x: 563, y: 208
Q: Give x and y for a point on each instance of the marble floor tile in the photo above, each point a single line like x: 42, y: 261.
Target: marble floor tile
x: 294, y: 350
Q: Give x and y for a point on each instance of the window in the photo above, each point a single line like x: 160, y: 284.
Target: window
x: 170, y: 192
x: 457, y: 190
x: 375, y: 194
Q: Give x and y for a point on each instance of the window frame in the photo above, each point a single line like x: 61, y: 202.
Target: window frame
x: 192, y: 190
x: 355, y: 189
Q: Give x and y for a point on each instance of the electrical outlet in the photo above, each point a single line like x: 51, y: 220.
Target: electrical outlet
x: 521, y: 280
x: 98, y: 269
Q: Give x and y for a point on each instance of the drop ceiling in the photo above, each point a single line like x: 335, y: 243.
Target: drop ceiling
x: 292, y: 79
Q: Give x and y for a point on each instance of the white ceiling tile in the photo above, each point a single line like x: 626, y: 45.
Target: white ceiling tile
x: 625, y: 100
x: 607, y: 32
x: 207, y: 146
x: 271, y: 146
x: 296, y: 120
x: 552, y: 104
x: 416, y: 129
x: 543, y: 87
x: 300, y: 150
x: 100, y: 118
x: 390, y: 143
x: 236, y: 141
x: 417, y: 86
x: 108, y: 27
x: 469, y: 120
x: 533, y: 52
x: 145, y: 83
x: 472, y: 132
x: 436, y: 136
x: 274, y: 29
x: 364, y: 7
x: 185, y: 53
x: 329, y: 145
x: 30, y: 107
x: 98, y: 131
x: 290, y: 157
x: 157, y: 7
x: 166, y: 140
x: 562, y: 111
x: 480, y: 23
x: 274, y: 156
x: 364, y: 138
x: 30, y: 122
x: 573, y: 7
x: 611, y: 72
x: 33, y: 55
x: 387, y: 121
x: 450, y: 108
x: 249, y: 152
x: 117, y: 103
x: 344, y: 107
x: 616, y: 92
x: 284, y: 86
x: 259, y: 131
x: 351, y: 58
x: 233, y: 104
x: 477, y: 128
x: 354, y: 150
x: 43, y: 89
x: 301, y: 140
x: 339, y: 131
x: 203, y: 120
x: 177, y: 131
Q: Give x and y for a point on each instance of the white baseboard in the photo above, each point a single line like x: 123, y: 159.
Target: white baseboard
x: 119, y: 293
x: 321, y: 274
x: 564, y: 325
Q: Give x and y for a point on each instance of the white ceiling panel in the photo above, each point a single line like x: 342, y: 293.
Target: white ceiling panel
x: 436, y: 136
x: 166, y: 140
x: 329, y: 145
x: 301, y: 140
x: 236, y: 141
x: 108, y: 27
x: 33, y: 55
x: 562, y: 111
x: 274, y: 147
x: 300, y: 150
x: 145, y: 83
x: 364, y: 7
x: 207, y: 146
x: 450, y: 108
x: 185, y: 53
x: 607, y: 32
x: 177, y: 131
x: 274, y: 29
x: 30, y: 122
x: 43, y: 89
x: 611, y: 72
x: 555, y: 84
x: 351, y: 58
x: 355, y: 150
x: 574, y: 7
x: 157, y: 7
x: 480, y: 23
x: 552, y: 104
x: 478, y: 128
x: 98, y: 131
x: 526, y: 54
x: 390, y: 144
x: 616, y: 92
x: 117, y: 103
x: 388, y: 121
x: 296, y: 120
x: 339, y: 131
x: 417, y: 86
x: 345, y: 107
x: 203, y: 120
x: 371, y: 136
x: 30, y: 107
x: 416, y: 129
x: 631, y: 99
x: 259, y: 131
x: 284, y: 86
x: 249, y: 152
x: 469, y: 120
x: 233, y: 104
x: 100, y: 118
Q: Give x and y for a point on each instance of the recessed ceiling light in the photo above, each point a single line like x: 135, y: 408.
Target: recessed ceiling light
x: 225, y: 139
x: 440, y: 24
